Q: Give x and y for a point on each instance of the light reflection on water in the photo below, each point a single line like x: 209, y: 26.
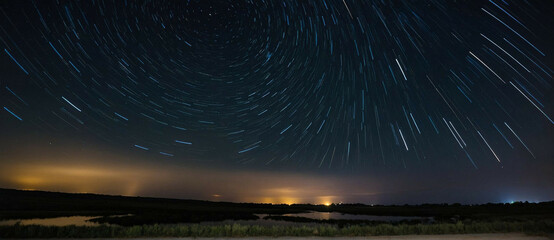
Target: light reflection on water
x: 312, y: 215
x: 258, y: 222
x: 83, y: 220
x: 57, y: 221
x: 341, y: 216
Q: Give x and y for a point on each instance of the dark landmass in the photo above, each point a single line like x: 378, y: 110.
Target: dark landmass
x: 18, y: 204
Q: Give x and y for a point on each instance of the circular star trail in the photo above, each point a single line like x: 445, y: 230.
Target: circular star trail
x: 323, y: 84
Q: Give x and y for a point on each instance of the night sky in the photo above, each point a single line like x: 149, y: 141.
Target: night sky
x: 280, y: 101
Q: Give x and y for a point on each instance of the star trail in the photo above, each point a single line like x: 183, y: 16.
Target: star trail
x: 326, y: 84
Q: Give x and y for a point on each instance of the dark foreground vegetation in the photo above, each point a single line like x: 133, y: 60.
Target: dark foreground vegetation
x: 149, y: 217
x: 540, y: 227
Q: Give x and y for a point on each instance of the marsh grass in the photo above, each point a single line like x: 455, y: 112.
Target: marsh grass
x: 236, y: 230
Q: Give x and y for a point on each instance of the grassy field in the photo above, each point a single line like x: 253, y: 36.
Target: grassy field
x: 541, y: 227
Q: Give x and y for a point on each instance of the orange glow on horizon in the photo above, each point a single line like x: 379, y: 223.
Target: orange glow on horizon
x: 71, y: 178
x: 86, y: 173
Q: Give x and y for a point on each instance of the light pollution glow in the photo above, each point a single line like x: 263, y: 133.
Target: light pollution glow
x: 154, y: 180
x: 99, y: 171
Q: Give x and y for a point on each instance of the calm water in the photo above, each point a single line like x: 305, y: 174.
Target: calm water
x: 57, y: 221
x: 314, y: 215
x: 336, y: 215
x: 83, y: 220
x: 259, y: 222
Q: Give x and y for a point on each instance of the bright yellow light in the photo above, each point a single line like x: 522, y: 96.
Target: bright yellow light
x: 327, y: 204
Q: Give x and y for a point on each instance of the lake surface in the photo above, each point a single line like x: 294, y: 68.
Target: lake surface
x: 313, y: 215
x: 342, y: 216
x: 83, y: 220
x: 258, y: 222
x: 57, y: 221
